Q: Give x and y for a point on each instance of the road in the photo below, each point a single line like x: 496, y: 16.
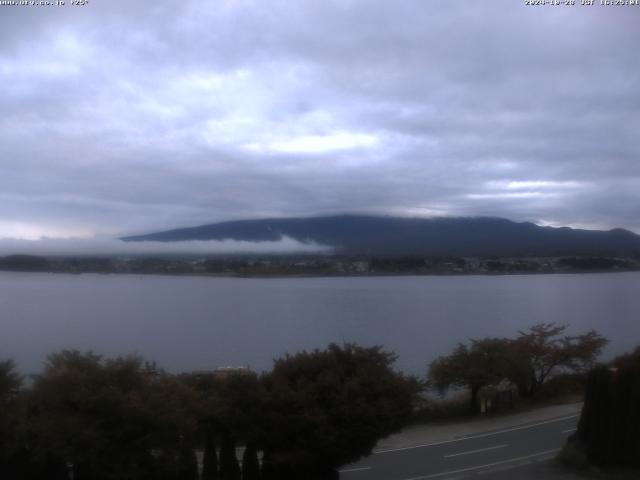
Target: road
x: 479, y: 454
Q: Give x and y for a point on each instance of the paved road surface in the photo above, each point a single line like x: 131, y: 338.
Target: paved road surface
x: 481, y: 454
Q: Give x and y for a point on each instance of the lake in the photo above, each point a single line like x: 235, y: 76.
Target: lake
x: 196, y: 323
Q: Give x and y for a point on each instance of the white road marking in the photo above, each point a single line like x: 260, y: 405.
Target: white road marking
x: 475, y: 451
x: 482, y: 435
x: 359, y: 469
x: 569, y: 430
x: 469, y: 469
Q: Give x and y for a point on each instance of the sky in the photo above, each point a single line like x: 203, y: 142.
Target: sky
x: 123, y: 117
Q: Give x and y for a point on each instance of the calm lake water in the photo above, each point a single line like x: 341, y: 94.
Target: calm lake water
x: 189, y: 323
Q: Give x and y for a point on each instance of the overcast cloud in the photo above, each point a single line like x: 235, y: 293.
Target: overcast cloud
x: 124, y: 117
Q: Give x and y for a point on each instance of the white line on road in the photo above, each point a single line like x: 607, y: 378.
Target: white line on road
x: 469, y: 469
x: 481, y: 435
x: 475, y: 451
x: 569, y: 430
x: 359, y: 469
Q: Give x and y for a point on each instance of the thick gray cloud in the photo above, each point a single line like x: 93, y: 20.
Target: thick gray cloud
x: 123, y: 117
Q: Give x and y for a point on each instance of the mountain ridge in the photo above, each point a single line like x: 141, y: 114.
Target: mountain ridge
x: 387, y: 235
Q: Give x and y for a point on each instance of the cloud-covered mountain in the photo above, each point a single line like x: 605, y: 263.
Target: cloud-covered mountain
x: 374, y: 235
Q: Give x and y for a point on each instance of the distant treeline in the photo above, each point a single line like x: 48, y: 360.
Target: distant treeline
x: 290, y: 265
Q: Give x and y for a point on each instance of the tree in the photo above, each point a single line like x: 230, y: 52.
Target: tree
x: 229, y: 468
x: 330, y: 407
x: 106, y: 417
x: 544, y: 349
x: 481, y: 363
x: 608, y: 427
x: 230, y: 404
x: 187, y: 462
x: 209, y: 457
x: 250, y: 463
x: 10, y: 383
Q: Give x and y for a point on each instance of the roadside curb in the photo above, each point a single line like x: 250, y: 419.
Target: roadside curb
x: 434, y: 433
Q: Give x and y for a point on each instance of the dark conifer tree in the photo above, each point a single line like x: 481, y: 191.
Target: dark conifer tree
x: 166, y: 466
x: 608, y: 428
x: 594, y: 425
x: 268, y: 470
x: 229, y: 468
x: 210, y: 458
x: 250, y: 463
x: 187, y: 462
x: 55, y: 468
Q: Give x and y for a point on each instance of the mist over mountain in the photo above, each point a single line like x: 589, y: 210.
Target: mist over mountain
x: 109, y: 247
x: 383, y: 235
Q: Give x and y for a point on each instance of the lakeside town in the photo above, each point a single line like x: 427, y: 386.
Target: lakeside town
x: 318, y: 265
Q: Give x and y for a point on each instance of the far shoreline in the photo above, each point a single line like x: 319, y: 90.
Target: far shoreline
x: 233, y: 275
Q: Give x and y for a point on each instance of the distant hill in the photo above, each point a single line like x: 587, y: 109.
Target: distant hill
x: 381, y: 235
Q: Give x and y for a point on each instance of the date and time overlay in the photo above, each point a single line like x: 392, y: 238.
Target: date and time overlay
x: 528, y: 3
x: 44, y: 3
x: 583, y: 3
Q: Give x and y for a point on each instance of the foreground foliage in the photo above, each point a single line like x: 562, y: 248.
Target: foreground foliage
x: 336, y: 403
x: 92, y: 418
x: 610, y: 421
